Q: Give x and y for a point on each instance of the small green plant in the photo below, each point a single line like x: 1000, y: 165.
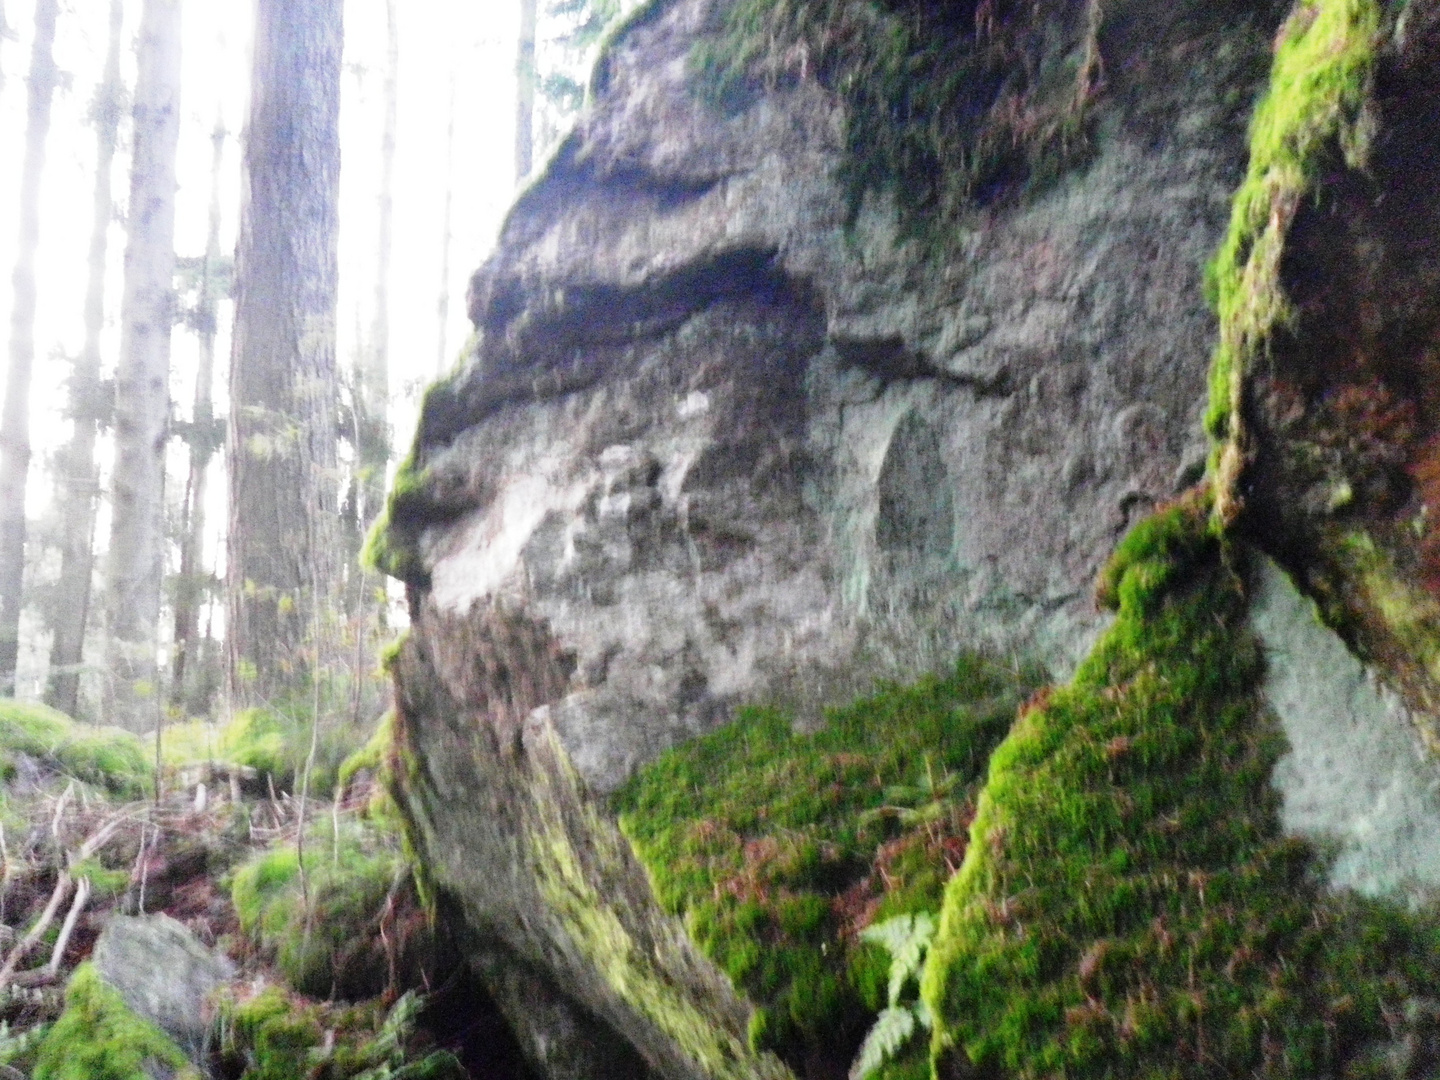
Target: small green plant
x: 361, y: 925
x: 922, y: 803
x: 907, y: 939
x: 389, y: 1048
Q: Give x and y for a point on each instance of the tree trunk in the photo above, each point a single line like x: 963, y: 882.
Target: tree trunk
x: 15, y: 420
x: 525, y: 91
x: 203, y: 443
x: 77, y: 481
x: 283, y: 389
x: 142, y: 380
x: 442, y: 307
x: 4, y: 34
x: 374, y: 396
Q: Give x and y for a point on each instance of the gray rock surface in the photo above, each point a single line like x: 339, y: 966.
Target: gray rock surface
x: 712, y: 446
x: 730, y: 450
x: 164, y: 973
x: 1357, y: 778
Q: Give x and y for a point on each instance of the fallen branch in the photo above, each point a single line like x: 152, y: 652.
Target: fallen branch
x: 63, y: 884
x: 82, y: 895
x: 57, y: 897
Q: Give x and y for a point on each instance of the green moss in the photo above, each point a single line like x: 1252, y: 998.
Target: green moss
x: 98, y: 1037
x: 373, y: 756
x: 334, y: 945
x: 390, y: 548
x: 944, y: 110
x: 392, y: 544
x: 193, y: 742
x: 1128, y: 904
x: 777, y: 848
x: 106, y: 757
x: 1313, y: 113
x: 275, y: 1035
x: 277, y: 741
x: 101, y: 878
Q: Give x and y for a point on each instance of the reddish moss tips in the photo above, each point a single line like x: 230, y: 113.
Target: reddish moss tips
x: 1129, y: 905
x: 778, y: 848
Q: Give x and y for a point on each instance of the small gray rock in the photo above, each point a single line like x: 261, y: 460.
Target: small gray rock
x: 164, y: 973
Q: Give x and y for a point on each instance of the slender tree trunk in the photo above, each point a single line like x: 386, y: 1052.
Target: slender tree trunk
x: 77, y: 481
x: 374, y: 396
x: 203, y: 443
x: 283, y: 386
x: 4, y: 34
x: 442, y: 307
x: 525, y: 91
x: 15, y: 419
x: 142, y: 380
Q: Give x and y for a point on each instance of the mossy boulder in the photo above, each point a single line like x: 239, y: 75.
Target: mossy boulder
x: 1129, y: 904
x: 163, y: 973
x: 98, y: 1037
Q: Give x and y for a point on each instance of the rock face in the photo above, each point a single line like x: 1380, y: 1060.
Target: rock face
x: 715, y: 444
x: 1357, y: 777
x: 164, y: 973
x: 725, y: 449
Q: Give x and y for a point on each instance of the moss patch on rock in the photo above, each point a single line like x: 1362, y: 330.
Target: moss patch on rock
x: 1128, y: 904
x: 777, y: 848
x: 1312, y: 114
x: 946, y: 106
x: 98, y: 1037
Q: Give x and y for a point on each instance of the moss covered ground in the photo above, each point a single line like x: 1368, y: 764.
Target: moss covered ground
x: 108, y: 758
x: 274, y: 1035
x: 353, y: 923
x: 275, y: 742
x: 777, y: 848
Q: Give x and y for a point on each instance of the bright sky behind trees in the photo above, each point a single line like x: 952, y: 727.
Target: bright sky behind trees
x: 443, y: 46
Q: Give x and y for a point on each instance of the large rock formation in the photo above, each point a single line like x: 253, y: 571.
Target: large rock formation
x: 717, y: 443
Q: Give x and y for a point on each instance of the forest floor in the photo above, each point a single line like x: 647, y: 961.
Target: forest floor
x: 340, y: 972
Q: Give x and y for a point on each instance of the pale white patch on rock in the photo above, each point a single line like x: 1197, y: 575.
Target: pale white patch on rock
x: 1356, y: 779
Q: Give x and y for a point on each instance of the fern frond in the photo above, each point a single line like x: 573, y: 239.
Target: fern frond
x: 892, y: 1030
